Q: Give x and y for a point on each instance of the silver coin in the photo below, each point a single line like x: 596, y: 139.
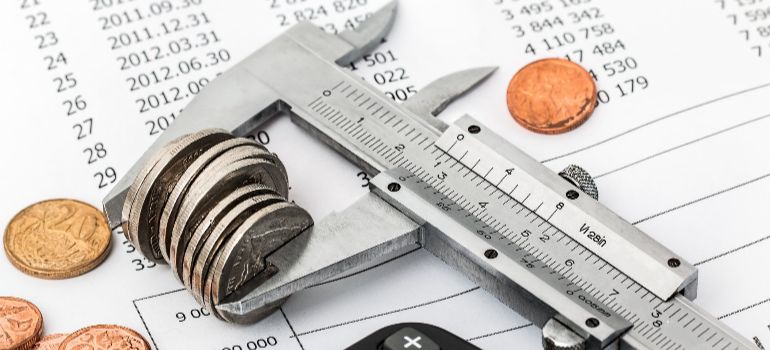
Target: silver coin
x: 185, y: 244
x: 174, y: 202
x: 207, y: 280
x: 276, y: 170
x: 216, y: 238
x: 263, y: 153
x: 243, y: 255
x: 266, y: 273
x: 214, y: 182
x: 273, y: 158
x: 134, y: 188
x: 151, y: 196
x: 280, y: 166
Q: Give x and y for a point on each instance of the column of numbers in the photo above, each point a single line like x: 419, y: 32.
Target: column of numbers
x: 167, y: 51
x: 751, y: 20
x: 581, y: 31
x: 64, y: 82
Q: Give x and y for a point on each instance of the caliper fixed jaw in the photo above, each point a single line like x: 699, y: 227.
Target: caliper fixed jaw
x: 340, y: 243
x: 239, y: 100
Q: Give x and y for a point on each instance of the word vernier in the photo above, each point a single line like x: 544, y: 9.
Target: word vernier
x: 540, y: 244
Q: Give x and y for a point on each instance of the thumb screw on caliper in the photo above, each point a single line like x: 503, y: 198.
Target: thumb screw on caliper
x: 581, y: 179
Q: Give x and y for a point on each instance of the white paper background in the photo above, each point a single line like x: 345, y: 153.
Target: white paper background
x: 698, y: 141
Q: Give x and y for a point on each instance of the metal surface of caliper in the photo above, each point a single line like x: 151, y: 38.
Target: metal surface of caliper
x: 538, y: 243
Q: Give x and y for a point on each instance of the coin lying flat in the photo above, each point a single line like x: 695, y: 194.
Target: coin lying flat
x: 183, y: 183
x: 259, y: 235
x: 21, y: 323
x: 105, y: 337
x: 551, y: 96
x: 50, y: 342
x: 57, y: 239
x: 157, y: 184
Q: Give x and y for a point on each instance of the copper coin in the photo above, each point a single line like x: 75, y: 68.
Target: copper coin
x: 21, y: 324
x: 57, y: 239
x: 105, y: 337
x: 50, y: 342
x: 551, y: 96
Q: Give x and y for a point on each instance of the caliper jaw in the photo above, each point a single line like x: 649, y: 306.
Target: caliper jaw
x: 436, y: 96
x: 341, y: 242
x: 368, y: 35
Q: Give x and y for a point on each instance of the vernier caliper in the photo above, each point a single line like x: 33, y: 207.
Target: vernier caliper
x: 540, y: 244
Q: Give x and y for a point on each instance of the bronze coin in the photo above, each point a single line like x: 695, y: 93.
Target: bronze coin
x: 50, y: 342
x: 57, y: 239
x: 551, y: 96
x: 105, y: 337
x: 21, y: 323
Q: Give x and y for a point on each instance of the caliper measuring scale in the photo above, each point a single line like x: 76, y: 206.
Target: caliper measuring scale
x: 585, y: 276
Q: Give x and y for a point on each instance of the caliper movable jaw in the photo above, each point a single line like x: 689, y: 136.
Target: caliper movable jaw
x: 241, y: 99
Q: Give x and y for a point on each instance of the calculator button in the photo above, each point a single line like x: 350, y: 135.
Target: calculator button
x: 409, y: 339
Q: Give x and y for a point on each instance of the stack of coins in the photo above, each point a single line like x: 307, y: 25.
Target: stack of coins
x: 213, y: 206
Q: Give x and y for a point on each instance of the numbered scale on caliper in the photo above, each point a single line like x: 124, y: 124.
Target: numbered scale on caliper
x: 540, y: 244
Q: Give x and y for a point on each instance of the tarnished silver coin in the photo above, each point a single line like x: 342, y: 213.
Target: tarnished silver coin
x: 214, y: 207
x: 145, y: 212
x: 199, y: 231
x: 273, y: 158
x: 207, y: 285
x: 134, y: 188
x: 174, y: 201
x: 218, y: 236
x: 226, y: 173
x: 199, y: 228
x: 275, y: 169
x: 213, y: 183
x: 243, y: 255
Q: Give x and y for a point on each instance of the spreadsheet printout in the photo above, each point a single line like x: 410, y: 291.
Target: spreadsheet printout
x: 678, y: 146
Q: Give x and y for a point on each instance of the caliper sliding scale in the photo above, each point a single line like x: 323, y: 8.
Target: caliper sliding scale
x: 571, y: 266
